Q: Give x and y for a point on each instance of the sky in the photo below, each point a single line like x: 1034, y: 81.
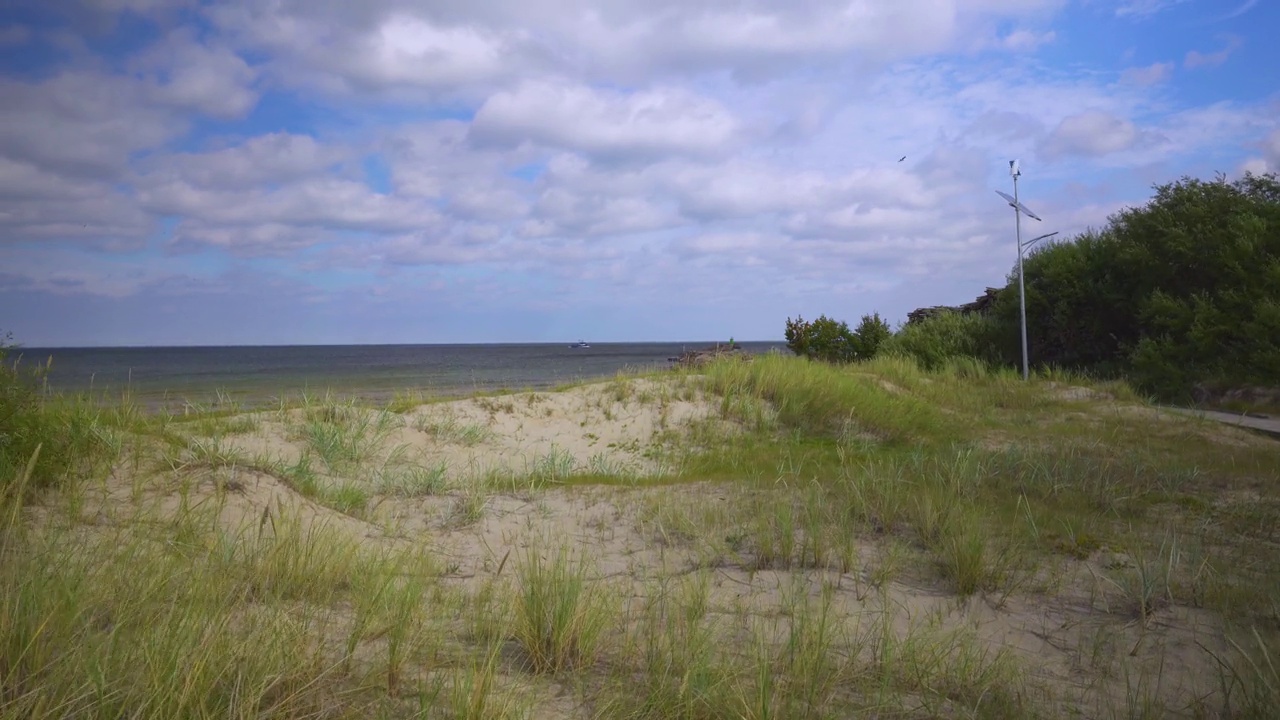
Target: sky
x: 180, y: 172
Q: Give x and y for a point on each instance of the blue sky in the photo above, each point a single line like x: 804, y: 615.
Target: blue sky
x: 287, y: 171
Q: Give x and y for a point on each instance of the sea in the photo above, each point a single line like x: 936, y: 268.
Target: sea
x: 259, y: 375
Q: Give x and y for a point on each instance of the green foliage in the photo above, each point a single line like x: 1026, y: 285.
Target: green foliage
x: 831, y: 340
x: 69, y: 440
x: 870, y: 335
x: 823, y: 339
x: 1182, y: 291
x: 935, y: 341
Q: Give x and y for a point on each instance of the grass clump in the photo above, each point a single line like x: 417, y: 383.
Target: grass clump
x: 679, y: 672
x: 448, y: 428
x: 561, y: 614
x: 346, y: 436
x: 126, y: 624
x: 822, y: 400
x: 474, y: 693
x: 414, y: 481
x: 73, y: 444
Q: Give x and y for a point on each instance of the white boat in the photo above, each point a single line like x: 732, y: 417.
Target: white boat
x: 581, y: 344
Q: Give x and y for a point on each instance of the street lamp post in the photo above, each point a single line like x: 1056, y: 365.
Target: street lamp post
x: 1018, y: 210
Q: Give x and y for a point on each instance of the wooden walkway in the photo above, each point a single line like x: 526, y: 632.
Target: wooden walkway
x: 1266, y: 424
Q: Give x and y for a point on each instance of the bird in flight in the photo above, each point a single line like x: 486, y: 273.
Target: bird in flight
x: 904, y: 157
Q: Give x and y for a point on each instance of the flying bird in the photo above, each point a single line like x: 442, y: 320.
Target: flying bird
x: 904, y: 157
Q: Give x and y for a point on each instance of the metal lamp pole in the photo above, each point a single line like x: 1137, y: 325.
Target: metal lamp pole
x: 1022, y: 287
x: 1018, y: 210
x: 1022, y: 297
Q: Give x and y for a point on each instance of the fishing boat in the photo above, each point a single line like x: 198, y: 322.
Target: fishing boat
x: 581, y: 344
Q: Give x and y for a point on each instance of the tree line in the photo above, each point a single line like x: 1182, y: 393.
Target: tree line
x: 1180, y: 294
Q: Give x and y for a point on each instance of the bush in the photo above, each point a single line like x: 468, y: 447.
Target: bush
x: 823, y: 339
x: 934, y: 341
x: 831, y: 340
x: 1182, y: 291
x: 69, y: 442
x: 870, y: 336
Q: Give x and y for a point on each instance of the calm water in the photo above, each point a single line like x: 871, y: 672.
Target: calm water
x: 171, y: 375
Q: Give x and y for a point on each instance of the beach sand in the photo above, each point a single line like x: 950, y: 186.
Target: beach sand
x: 479, y: 483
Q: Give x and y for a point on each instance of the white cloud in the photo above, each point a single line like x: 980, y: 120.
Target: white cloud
x: 81, y: 123
x: 188, y: 75
x: 1244, y: 7
x: 322, y: 202
x: 270, y: 158
x: 37, y: 204
x: 258, y: 240
x: 461, y: 48
x: 645, y: 123
x: 1152, y: 74
x: 1027, y: 40
x: 1092, y: 132
x: 407, y: 50
x: 1270, y: 160
x: 1145, y: 8
x: 659, y: 161
x: 1196, y: 59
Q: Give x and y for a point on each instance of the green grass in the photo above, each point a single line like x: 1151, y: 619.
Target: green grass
x: 178, y: 621
x: 447, y: 428
x: 777, y: 588
x: 346, y: 436
x: 74, y: 436
x: 561, y: 613
x: 823, y: 400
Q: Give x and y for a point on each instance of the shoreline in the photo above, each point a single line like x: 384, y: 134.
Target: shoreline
x: 775, y: 509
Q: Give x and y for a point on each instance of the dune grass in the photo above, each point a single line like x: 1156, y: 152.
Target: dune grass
x: 845, y: 487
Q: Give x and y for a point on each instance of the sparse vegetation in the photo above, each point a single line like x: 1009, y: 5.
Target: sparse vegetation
x: 777, y: 538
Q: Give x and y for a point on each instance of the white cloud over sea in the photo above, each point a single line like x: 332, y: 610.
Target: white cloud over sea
x: 281, y: 171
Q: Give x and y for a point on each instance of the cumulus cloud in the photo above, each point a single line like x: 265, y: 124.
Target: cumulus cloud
x: 1026, y: 40
x: 392, y: 46
x: 664, y: 161
x: 321, y: 202
x: 256, y: 240
x: 647, y: 123
x: 378, y: 47
x: 263, y: 159
x: 81, y: 124
x: 189, y: 75
x: 1152, y: 74
x: 1092, y: 132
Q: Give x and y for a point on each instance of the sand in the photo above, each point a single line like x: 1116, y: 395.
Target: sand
x: 485, y: 508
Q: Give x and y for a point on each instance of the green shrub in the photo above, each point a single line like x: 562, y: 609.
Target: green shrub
x: 831, y: 340
x: 70, y: 444
x: 870, y: 336
x: 823, y: 339
x: 934, y: 341
x: 1183, y: 291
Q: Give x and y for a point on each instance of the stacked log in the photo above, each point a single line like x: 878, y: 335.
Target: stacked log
x: 981, y: 306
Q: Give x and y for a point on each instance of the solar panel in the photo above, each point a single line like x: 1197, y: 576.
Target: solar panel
x: 1018, y: 205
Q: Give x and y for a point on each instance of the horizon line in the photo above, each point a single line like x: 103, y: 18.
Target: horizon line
x: 19, y: 348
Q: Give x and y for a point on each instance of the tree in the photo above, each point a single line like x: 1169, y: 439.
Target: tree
x: 831, y: 340
x: 870, y: 335
x: 1182, y: 291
